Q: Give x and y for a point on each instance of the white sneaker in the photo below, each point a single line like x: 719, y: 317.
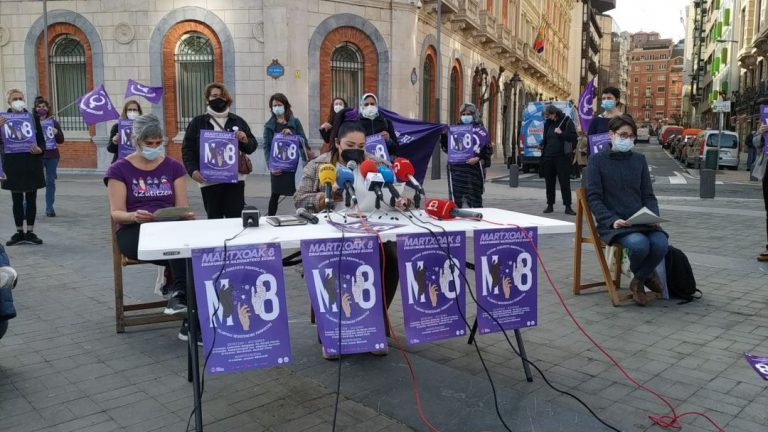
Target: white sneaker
x: 8, y: 277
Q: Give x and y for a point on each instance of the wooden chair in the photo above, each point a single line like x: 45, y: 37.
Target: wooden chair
x: 611, y: 277
x: 133, y: 314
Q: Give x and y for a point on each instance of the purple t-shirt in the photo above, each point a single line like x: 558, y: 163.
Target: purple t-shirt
x: 147, y: 190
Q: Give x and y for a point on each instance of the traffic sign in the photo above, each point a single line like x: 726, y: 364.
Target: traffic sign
x: 721, y: 106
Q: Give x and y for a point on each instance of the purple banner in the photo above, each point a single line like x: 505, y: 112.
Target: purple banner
x: 151, y: 94
x: 505, y: 278
x: 49, y: 134
x: 375, y: 145
x: 599, y: 142
x: 764, y: 121
x: 243, y: 308
x: 585, y: 105
x: 19, y: 134
x: 124, y: 143
x: 431, y: 286
x: 344, y: 282
x: 417, y: 140
x: 218, y: 156
x: 284, y: 154
x: 461, y: 144
x: 96, y: 107
x: 759, y: 364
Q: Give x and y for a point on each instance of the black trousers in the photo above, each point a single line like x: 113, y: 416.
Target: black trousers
x: 224, y: 200
x: 20, y: 212
x: 128, y: 243
x: 557, y: 168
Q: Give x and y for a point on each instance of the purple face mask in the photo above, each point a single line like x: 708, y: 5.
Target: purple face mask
x: 42, y: 112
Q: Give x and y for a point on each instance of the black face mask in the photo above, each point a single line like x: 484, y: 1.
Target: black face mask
x: 356, y: 155
x: 218, y: 105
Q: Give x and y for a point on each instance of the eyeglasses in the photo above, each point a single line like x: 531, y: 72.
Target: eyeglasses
x: 625, y: 135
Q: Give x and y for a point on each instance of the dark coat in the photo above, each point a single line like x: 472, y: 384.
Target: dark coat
x: 190, y: 149
x: 111, y: 146
x: 553, y: 144
x: 372, y: 126
x: 24, y: 171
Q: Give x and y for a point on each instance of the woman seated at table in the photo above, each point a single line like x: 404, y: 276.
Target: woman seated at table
x: 142, y: 183
x: 618, y: 185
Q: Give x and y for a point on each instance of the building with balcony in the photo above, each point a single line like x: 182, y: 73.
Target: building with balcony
x: 586, y: 36
x: 649, y: 69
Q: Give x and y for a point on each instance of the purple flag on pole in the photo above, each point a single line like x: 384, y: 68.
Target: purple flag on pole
x: 218, y: 156
x: 585, y: 105
x: 431, y: 285
x: 344, y: 283
x: 50, y: 136
x: 375, y: 145
x: 243, y: 308
x: 19, y: 134
x: 599, y: 142
x: 96, y: 107
x: 505, y: 278
x: 284, y: 153
x: 124, y: 143
x: 151, y: 94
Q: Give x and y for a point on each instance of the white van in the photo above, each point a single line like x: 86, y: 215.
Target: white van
x: 708, y: 140
x: 643, y: 134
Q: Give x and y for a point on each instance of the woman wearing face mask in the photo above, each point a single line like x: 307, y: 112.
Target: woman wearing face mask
x: 372, y: 121
x: 131, y: 110
x: 611, y: 105
x: 337, y: 106
x: 221, y: 200
x: 283, y: 121
x: 130, y: 206
x: 50, y: 157
x: 619, y: 184
x: 24, y: 175
x: 467, y: 179
x: 556, y: 156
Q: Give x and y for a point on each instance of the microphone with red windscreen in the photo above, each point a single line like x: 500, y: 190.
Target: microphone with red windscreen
x: 404, y: 172
x: 446, y: 209
x: 373, y: 179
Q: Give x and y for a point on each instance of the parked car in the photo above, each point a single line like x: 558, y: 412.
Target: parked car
x: 668, y: 132
x: 688, y: 136
x: 711, y: 140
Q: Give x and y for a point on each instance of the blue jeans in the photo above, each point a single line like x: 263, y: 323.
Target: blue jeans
x: 50, y: 182
x: 4, y: 260
x: 646, y: 250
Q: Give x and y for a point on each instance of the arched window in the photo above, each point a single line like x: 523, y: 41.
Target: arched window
x: 68, y: 81
x: 194, y: 59
x: 428, y: 88
x: 347, y: 73
x: 455, y: 92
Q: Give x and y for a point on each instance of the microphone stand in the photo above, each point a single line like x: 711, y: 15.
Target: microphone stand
x: 417, y: 200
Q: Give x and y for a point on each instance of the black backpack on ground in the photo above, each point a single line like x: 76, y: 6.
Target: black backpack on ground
x: 680, y: 281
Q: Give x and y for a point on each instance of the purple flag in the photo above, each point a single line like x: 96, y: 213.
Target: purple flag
x: 243, y: 308
x: 431, y: 285
x: 151, y: 94
x: 218, y: 156
x: 96, y: 107
x: 505, y: 278
x: 344, y: 282
x: 284, y: 154
x: 764, y: 121
x: 19, y: 134
x: 124, y: 143
x: 599, y: 142
x: 375, y: 145
x: 759, y: 364
x: 50, y: 136
x: 417, y: 140
x: 585, y: 105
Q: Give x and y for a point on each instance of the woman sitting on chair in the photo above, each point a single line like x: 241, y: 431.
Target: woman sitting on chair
x: 618, y: 185
x: 141, y: 184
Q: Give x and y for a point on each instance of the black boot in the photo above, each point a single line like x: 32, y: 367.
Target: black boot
x: 569, y: 210
x: 549, y: 209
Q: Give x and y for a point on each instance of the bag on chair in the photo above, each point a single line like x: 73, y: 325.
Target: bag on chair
x: 680, y: 280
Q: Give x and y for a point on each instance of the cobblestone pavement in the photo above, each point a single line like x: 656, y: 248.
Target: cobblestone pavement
x: 63, y: 368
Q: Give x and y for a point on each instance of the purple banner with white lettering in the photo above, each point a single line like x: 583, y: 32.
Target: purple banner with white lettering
x: 284, y: 153
x: 375, y: 145
x: 49, y: 134
x: 151, y: 94
x: 599, y: 142
x: 243, y: 315
x: 585, y: 105
x: 431, y: 286
x: 759, y: 364
x: 505, y: 278
x: 764, y: 121
x: 124, y: 143
x: 19, y: 134
x: 344, y: 284
x: 461, y: 144
x: 96, y: 107
x: 218, y: 156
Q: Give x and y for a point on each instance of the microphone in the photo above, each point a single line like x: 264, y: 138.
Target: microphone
x: 327, y: 176
x: 373, y: 179
x: 346, y: 179
x: 404, y: 172
x: 389, y: 178
x: 446, y: 209
x: 305, y: 214
x: 352, y: 165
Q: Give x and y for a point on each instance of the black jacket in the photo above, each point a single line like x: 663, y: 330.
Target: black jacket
x: 190, y: 149
x: 372, y: 126
x: 554, y: 144
x: 24, y: 171
x: 111, y: 146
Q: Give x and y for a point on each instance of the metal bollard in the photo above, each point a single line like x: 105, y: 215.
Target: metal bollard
x: 707, y: 183
x: 514, y: 175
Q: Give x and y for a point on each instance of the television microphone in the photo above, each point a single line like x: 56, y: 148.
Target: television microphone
x: 404, y: 172
x: 346, y: 179
x: 305, y: 214
x: 389, y: 178
x: 446, y: 209
x: 373, y: 179
x: 327, y: 176
x: 250, y: 216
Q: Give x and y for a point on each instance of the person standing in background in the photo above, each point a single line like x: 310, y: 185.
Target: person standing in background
x: 556, y: 155
x: 50, y: 156
x: 131, y: 110
x: 337, y: 105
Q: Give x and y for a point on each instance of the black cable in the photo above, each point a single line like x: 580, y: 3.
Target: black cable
x: 338, y: 306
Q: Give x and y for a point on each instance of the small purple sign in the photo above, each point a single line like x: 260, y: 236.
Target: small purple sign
x: 375, y: 145
x: 432, y: 288
x: 18, y: 132
x: 49, y: 134
x: 344, y: 284
x: 96, y: 107
x: 599, y: 142
x: 367, y: 227
x: 506, y: 278
x: 284, y: 153
x: 243, y: 308
x: 151, y: 94
x: 124, y: 143
x: 764, y: 121
x: 461, y: 145
x: 218, y: 156
x: 759, y: 364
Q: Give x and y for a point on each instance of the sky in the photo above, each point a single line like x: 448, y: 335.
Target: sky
x: 662, y: 16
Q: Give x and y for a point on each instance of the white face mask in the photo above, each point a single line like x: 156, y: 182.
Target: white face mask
x: 623, y: 144
x: 338, y: 107
x: 370, y: 112
x: 132, y: 115
x: 18, y: 105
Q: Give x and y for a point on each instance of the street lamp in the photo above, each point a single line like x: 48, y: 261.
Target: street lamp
x: 514, y: 169
x: 438, y: 78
